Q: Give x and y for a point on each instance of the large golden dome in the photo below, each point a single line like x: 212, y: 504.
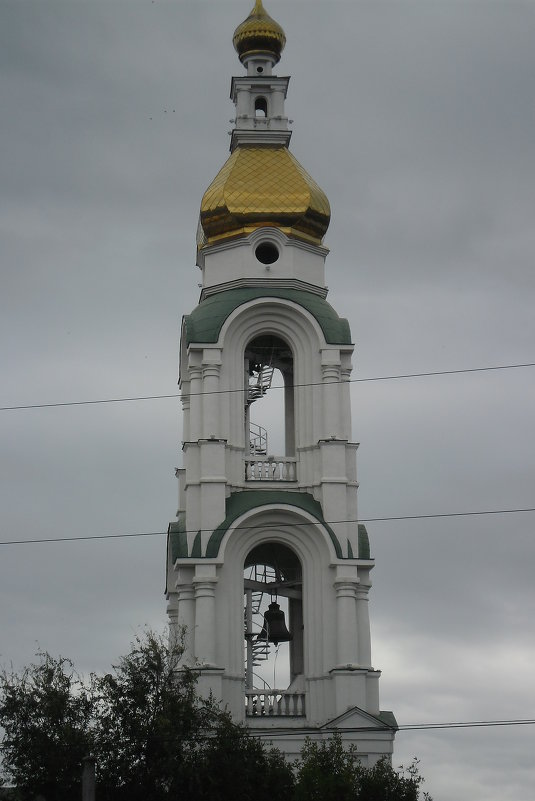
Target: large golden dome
x: 263, y: 186
x: 259, y: 33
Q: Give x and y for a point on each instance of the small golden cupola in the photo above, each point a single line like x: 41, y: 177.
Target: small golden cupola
x: 262, y: 185
x: 259, y: 33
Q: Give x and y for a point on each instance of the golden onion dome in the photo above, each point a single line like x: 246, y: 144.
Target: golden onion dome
x: 263, y: 186
x: 259, y: 33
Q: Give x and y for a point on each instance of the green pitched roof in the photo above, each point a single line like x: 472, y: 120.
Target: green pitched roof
x: 388, y: 718
x: 205, y: 322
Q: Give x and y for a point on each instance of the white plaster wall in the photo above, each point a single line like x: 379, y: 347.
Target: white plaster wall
x: 236, y: 260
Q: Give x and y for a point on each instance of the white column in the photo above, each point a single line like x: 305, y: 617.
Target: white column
x: 195, y: 403
x: 330, y: 376
x: 277, y: 106
x: 205, y: 634
x: 186, y: 619
x: 345, y: 374
x: 185, y: 399
x: 363, y: 623
x: 211, y: 400
x: 346, y: 620
x: 172, y: 614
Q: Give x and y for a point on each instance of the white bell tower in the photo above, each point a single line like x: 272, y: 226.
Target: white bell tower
x: 256, y: 527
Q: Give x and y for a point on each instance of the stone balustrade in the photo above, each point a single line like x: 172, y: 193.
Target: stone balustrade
x: 271, y: 468
x: 276, y: 703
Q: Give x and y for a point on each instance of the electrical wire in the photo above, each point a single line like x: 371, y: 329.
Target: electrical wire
x: 468, y: 724
x: 272, y: 525
x: 298, y: 732
x: 243, y: 389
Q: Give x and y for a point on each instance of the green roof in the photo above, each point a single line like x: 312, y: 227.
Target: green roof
x: 240, y: 502
x: 364, y: 542
x: 178, y: 539
x: 388, y: 718
x: 205, y: 322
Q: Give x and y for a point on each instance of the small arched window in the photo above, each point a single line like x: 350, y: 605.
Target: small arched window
x: 260, y: 107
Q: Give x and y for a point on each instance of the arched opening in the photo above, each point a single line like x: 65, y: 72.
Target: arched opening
x: 274, y: 642
x: 269, y: 379
x: 260, y: 107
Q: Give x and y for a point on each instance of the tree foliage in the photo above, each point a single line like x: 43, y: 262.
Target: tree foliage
x: 234, y: 765
x: 151, y: 735
x: 149, y: 723
x: 328, y: 772
x: 46, y: 713
x: 154, y: 738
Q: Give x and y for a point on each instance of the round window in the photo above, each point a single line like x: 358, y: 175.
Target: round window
x: 267, y: 253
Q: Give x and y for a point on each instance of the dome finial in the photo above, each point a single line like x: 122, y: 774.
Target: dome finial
x: 259, y: 33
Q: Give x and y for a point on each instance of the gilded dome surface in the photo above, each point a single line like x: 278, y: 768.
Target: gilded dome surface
x: 263, y: 186
x: 259, y: 33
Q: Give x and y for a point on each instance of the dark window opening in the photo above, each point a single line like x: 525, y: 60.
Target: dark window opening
x: 267, y: 253
x: 260, y: 107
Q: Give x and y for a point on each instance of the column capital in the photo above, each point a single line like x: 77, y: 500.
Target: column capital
x: 330, y: 373
x: 204, y: 586
x: 346, y: 587
x: 185, y: 592
x: 211, y: 370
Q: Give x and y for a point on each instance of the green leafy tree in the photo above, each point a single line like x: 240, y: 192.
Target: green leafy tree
x: 152, y: 736
x: 150, y: 724
x: 236, y: 765
x: 328, y: 772
x: 45, y: 712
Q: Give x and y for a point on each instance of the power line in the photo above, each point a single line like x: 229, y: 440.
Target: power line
x: 271, y: 525
x: 468, y: 724
x: 91, y: 402
x: 298, y: 732
x: 243, y: 389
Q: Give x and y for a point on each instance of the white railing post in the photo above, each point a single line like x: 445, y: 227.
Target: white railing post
x: 275, y: 703
x: 271, y: 468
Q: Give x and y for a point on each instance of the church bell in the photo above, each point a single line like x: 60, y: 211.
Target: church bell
x: 274, y: 629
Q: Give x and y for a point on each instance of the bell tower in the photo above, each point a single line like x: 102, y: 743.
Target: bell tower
x: 268, y: 569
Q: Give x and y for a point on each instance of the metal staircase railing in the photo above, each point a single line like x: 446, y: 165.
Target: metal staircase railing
x: 258, y: 388
x: 257, y: 440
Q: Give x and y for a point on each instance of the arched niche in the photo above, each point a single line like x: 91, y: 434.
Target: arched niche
x: 268, y: 357
x: 313, y: 544
x: 273, y: 573
x: 302, y: 334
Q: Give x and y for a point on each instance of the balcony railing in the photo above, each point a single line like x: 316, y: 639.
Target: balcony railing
x: 275, y: 703
x: 271, y: 468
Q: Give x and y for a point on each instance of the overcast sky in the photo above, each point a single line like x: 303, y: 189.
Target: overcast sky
x: 418, y: 121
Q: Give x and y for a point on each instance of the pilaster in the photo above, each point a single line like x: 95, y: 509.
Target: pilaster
x: 346, y: 586
x: 195, y: 398
x: 211, y: 368
x: 186, y: 612
x: 333, y: 484
x: 330, y: 376
x: 204, y: 583
x: 363, y: 625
